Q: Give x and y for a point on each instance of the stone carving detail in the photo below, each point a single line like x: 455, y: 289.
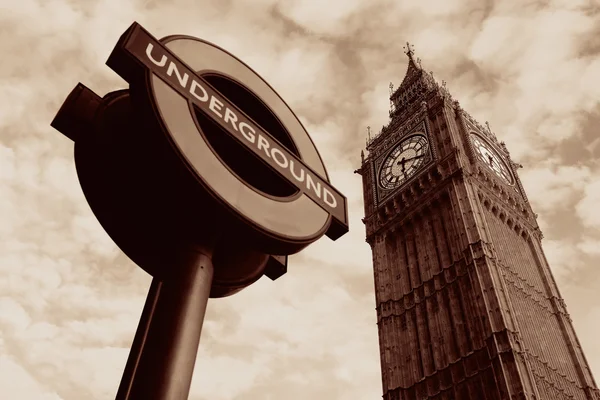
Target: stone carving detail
x: 455, y: 374
x: 416, y: 195
x: 417, y: 88
x: 393, y: 132
x: 527, y: 289
x: 437, y: 283
x: 555, y: 383
x: 505, y: 202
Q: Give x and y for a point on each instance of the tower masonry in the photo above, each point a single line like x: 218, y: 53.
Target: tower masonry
x: 467, y: 307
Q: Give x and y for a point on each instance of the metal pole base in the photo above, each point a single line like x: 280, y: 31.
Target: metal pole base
x: 162, y: 356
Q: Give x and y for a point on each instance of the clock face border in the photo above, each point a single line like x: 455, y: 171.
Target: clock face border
x: 429, y: 156
x: 500, y: 164
x: 394, y: 163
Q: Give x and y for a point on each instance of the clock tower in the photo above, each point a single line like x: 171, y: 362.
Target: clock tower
x: 467, y: 307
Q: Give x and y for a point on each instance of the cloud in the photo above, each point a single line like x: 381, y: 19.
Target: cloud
x: 587, y: 209
x: 563, y: 258
x: 316, y: 17
x: 551, y: 187
x: 590, y: 246
x: 16, y: 383
x: 70, y: 300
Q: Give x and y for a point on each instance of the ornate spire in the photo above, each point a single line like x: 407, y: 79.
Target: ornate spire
x: 412, y: 71
x: 409, y: 51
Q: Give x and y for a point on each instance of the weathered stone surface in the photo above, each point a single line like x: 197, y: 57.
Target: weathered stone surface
x: 467, y: 307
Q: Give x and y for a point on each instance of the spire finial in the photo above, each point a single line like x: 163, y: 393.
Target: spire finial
x: 419, y: 62
x: 391, y: 88
x: 409, y: 50
x: 487, y: 124
x: 369, y: 132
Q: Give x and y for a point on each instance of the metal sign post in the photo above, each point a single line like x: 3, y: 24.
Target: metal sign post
x: 168, y: 333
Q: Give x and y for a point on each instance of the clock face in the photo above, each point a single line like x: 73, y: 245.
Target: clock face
x: 489, y: 157
x: 403, y: 161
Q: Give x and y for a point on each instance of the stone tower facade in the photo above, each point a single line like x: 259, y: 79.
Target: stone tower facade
x: 467, y: 306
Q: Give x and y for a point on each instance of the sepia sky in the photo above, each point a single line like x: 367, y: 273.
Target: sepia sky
x: 70, y: 300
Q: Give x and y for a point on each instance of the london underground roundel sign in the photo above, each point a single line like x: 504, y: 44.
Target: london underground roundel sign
x: 174, y: 71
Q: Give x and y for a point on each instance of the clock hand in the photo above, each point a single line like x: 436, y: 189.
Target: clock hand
x: 403, y: 166
x: 404, y: 160
x: 415, y: 157
x: 401, y: 162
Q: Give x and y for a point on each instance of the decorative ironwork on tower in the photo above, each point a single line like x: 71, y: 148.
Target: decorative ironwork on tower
x: 409, y: 50
x: 417, y: 86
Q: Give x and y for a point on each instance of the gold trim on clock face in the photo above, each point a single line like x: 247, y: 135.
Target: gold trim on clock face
x: 487, y: 155
x: 403, y: 161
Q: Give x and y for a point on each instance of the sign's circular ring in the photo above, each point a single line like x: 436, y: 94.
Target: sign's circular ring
x: 300, y: 219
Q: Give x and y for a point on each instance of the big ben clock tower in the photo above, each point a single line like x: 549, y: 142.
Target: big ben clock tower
x: 467, y: 306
